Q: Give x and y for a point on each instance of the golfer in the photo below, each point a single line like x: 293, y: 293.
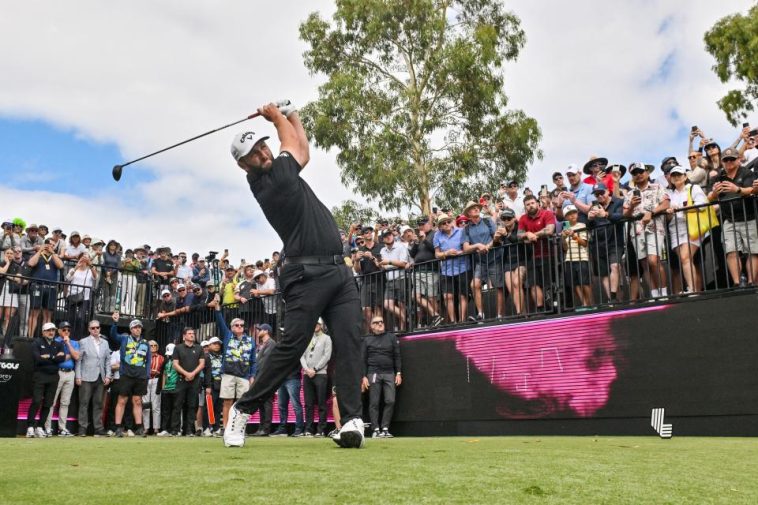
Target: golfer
x: 314, y: 279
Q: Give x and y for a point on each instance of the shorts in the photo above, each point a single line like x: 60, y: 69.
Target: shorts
x: 427, y: 284
x: 455, y: 284
x: 394, y: 289
x: 372, y: 290
x: 535, y: 274
x: 131, y: 386
x: 490, y: 271
x: 43, y: 297
x: 8, y: 299
x: 603, y: 256
x: 577, y: 273
x: 650, y: 244
x: 740, y: 236
x: 233, y: 387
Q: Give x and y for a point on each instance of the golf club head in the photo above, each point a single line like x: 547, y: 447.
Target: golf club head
x: 117, y: 172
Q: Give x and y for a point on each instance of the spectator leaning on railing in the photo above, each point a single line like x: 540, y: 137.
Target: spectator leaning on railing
x: 735, y: 183
x: 605, y: 222
x: 448, y: 246
x: 534, y: 228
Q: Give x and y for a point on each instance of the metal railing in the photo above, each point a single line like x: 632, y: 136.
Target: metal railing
x: 700, y: 249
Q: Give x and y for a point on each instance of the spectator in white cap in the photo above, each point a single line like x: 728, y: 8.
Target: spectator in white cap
x: 214, y: 364
x: 681, y: 195
x: 265, y: 291
x: 649, y: 233
x: 579, y: 194
x: 168, y: 391
x: 407, y: 235
x: 151, y: 402
x: 576, y: 257
x: 47, y: 354
x: 134, y: 371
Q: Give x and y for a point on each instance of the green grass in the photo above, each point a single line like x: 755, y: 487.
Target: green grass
x: 403, y: 470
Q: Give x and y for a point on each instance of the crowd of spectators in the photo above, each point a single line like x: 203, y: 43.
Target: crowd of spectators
x: 604, y: 233
x: 601, y: 229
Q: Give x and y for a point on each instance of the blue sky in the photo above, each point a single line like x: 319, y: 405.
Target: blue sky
x: 110, y: 82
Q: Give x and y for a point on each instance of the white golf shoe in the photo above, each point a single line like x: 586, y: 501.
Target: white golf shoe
x: 351, y: 434
x: 234, y: 434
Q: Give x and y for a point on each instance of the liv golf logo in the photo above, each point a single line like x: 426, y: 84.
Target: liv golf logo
x: 656, y: 421
x: 5, y: 365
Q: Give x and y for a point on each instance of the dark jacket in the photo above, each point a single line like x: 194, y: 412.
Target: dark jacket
x: 46, y: 355
x: 381, y: 354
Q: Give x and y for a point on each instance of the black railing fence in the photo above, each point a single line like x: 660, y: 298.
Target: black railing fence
x: 613, y: 261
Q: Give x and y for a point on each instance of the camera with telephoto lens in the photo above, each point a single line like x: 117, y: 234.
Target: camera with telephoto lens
x: 211, y: 256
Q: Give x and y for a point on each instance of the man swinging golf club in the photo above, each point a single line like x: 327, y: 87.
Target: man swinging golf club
x: 314, y: 279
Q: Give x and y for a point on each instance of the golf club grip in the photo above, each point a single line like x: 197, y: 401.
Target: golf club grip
x: 279, y: 105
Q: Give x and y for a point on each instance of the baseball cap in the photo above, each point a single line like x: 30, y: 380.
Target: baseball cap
x: 637, y: 166
x: 507, y: 214
x: 204, y: 343
x: 568, y: 209
x: 65, y: 324
x: 243, y: 143
x: 264, y: 327
x: 169, y: 349
x: 422, y: 220
x: 677, y: 169
x: 599, y: 187
x: 48, y: 326
x: 573, y: 169
x: 259, y: 272
x: 214, y: 340
x: 135, y: 323
x: 32, y: 227
x: 320, y: 321
x: 405, y: 228
x: 387, y: 233
x: 165, y: 292
x: 181, y: 286
x: 729, y: 153
x: 75, y: 234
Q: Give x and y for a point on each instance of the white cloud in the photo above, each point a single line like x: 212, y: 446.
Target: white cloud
x: 148, y: 74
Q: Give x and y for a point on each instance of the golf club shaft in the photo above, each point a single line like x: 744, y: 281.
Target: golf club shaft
x: 251, y: 116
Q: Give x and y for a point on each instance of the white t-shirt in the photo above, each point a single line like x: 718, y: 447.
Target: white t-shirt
x: 269, y: 301
x: 184, y: 272
x: 750, y: 155
x: 516, y: 205
x: 75, y: 252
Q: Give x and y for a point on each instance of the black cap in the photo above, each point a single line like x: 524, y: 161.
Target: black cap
x: 422, y: 220
x: 387, y: 232
x: 667, y: 163
x: 507, y: 214
x: 64, y: 324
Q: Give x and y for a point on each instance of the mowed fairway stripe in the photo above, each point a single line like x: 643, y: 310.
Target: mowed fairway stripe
x: 402, y: 470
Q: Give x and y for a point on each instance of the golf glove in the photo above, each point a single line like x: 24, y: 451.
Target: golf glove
x: 287, y: 109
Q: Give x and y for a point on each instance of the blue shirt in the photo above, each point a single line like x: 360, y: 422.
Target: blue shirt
x: 583, y: 193
x: 69, y: 363
x: 455, y: 265
x: 480, y: 233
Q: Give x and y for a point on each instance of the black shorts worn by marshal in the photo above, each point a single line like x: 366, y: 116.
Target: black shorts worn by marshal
x: 304, y: 224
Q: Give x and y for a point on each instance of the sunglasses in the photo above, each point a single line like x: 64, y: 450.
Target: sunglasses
x: 238, y: 324
x: 377, y: 322
x: 94, y: 327
x: 67, y: 330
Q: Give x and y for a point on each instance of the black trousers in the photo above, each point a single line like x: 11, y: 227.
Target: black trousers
x: 310, y: 291
x: 185, y: 406
x: 168, y: 403
x: 43, y: 394
x: 381, y: 384
x: 314, y: 391
x: 266, y: 410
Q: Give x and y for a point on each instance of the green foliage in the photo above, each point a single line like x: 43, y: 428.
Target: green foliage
x: 414, y: 98
x: 733, y: 42
x: 350, y: 211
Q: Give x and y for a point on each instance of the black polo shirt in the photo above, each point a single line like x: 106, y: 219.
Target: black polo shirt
x: 304, y: 224
x: 740, y: 209
x: 423, y: 252
x: 188, y: 357
x: 367, y: 265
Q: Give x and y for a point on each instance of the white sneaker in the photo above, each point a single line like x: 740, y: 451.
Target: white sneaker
x: 40, y: 433
x: 30, y: 432
x: 351, y: 435
x: 129, y: 433
x: 163, y: 433
x: 207, y: 432
x: 49, y: 432
x: 234, y: 434
x: 65, y: 433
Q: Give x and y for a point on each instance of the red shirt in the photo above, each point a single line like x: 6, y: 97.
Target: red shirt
x: 607, y: 180
x: 534, y: 224
x: 156, y: 365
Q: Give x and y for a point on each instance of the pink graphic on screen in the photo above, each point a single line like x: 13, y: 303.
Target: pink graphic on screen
x: 559, y: 365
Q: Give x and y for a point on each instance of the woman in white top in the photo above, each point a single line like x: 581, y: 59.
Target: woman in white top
x: 679, y: 196
x: 83, y: 279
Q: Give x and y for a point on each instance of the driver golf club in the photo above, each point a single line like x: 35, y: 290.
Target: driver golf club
x: 117, y: 169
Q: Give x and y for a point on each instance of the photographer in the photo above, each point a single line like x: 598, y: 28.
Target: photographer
x: 735, y: 184
x: 9, y: 238
x: 648, y: 232
x: 367, y: 265
x: 46, y: 266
